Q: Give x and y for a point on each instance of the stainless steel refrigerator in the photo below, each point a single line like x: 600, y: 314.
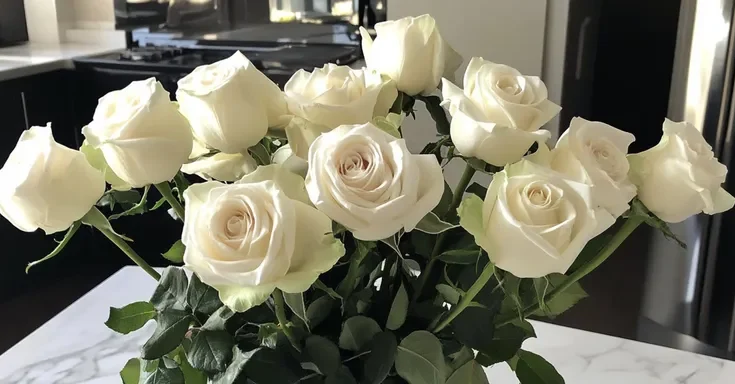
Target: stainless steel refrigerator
x: 689, y: 299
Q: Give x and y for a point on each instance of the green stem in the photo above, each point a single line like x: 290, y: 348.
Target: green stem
x: 467, y: 298
x: 167, y: 193
x: 67, y: 237
x: 347, y: 285
x: 123, y: 245
x: 282, y: 320
x: 464, y: 182
x: 630, y: 225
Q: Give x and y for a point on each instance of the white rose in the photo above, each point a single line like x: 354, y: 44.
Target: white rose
x: 286, y: 158
x: 221, y: 166
x: 680, y: 176
x: 412, y: 52
x: 230, y: 104
x: 595, y: 153
x: 332, y: 96
x: 261, y: 233
x: 368, y: 181
x: 498, y: 115
x: 47, y: 185
x: 533, y: 221
x: 142, y: 135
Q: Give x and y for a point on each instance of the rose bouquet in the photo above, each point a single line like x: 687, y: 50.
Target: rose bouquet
x: 320, y: 249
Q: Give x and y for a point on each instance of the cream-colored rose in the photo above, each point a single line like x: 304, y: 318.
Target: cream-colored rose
x: 680, y: 176
x: 412, y: 52
x: 261, y: 233
x: 221, y: 166
x: 368, y: 181
x: 332, y: 96
x: 142, y: 135
x: 533, y: 221
x: 286, y: 158
x: 498, y: 115
x: 594, y: 153
x: 47, y: 185
x: 231, y: 104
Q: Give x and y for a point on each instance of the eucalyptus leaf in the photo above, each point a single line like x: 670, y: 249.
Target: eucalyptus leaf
x: 319, y: 310
x: 470, y: 373
x: 202, y: 298
x: 432, y: 224
x: 460, y: 358
x: 356, y: 332
x: 260, y: 154
x: 172, y: 325
x: 171, y: 290
x: 267, y: 366
x: 534, y: 369
x: 175, y: 254
x: 130, y: 317
x: 465, y: 256
x: 295, y: 301
x: 211, y: 351
x: 420, y: 359
x: 392, y: 242
x: 411, y: 267
x: 130, y: 374
x: 341, y: 376
x: 450, y: 294
x: 382, y: 356
x: 398, y: 310
x: 323, y: 353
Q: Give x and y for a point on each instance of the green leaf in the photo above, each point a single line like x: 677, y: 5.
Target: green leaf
x: 382, y: 356
x: 472, y: 327
x: 170, y: 331
x: 420, y: 359
x: 124, y: 198
x: 639, y: 209
x: 398, y: 310
x: 449, y: 294
x: 323, y: 353
x: 295, y: 301
x: 191, y: 375
x: 211, y: 351
x: 268, y: 335
x: 130, y: 317
x: 534, y: 369
x: 267, y: 366
x: 461, y: 256
x: 389, y: 126
x: 234, y: 371
x: 182, y: 184
x: 59, y: 247
x: 433, y: 225
x: 137, y: 209
x: 218, y: 319
x: 175, y: 254
x: 166, y: 373
x: 561, y: 302
x: 130, y: 374
x: 202, y: 298
x: 171, y: 290
x: 329, y: 291
x: 478, y: 190
x: 95, y: 218
x: 423, y: 243
x: 506, y: 343
x: 357, y: 331
x: 442, y: 208
x: 392, y: 242
x: 460, y: 358
x: 470, y: 373
x: 319, y: 310
x: 342, y: 376
x: 260, y: 154
x: 433, y: 105
x: 483, y: 167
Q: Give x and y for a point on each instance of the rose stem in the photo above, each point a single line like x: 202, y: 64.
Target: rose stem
x: 467, y: 175
x: 281, y: 316
x: 167, y: 194
x: 487, y: 273
x: 123, y: 245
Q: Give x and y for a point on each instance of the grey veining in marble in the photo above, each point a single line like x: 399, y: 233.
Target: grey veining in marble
x: 75, y: 347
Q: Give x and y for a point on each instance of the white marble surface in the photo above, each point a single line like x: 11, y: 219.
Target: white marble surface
x: 33, y: 58
x: 75, y: 347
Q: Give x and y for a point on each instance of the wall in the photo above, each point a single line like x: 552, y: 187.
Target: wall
x: 80, y: 21
x: 91, y: 13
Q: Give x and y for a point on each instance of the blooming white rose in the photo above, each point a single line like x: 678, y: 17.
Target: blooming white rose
x: 680, y: 176
x: 595, y: 153
x: 498, y: 115
x: 142, y: 135
x: 332, y: 96
x: 286, y: 158
x: 261, y: 233
x: 230, y: 104
x: 412, y: 52
x: 533, y: 221
x: 47, y: 185
x: 221, y: 166
x: 368, y: 181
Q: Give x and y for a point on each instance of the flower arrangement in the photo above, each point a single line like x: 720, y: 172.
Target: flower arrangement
x: 322, y: 250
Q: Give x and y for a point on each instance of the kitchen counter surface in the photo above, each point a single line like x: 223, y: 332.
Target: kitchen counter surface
x: 75, y: 347
x: 33, y: 58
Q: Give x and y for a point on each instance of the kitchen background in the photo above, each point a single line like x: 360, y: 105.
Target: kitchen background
x: 629, y: 63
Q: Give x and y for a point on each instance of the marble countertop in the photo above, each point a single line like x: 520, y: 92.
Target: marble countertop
x: 75, y: 347
x: 33, y: 58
